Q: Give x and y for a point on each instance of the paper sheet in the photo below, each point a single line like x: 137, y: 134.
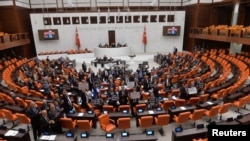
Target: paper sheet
x: 210, y: 103
x: 151, y: 112
x: 182, y: 108
x: 50, y: 138
x: 80, y: 114
x: 11, y: 133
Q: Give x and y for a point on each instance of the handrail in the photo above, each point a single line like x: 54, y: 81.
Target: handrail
x: 224, y: 34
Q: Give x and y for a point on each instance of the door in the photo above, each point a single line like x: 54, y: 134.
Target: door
x: 112, y: 38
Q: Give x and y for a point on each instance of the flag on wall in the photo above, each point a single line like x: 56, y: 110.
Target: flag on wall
x: 144, y: 37
x: 78, y: 44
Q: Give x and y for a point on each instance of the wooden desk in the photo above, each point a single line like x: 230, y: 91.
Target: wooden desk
x: 139, y: 137
x: 189, y: 134
x: 18, y: 137
x: 147, y: 113
x: 234, y: 122
x: 244, y: 120
x: 96, y: 138
x: 14, y: 108
x: 116, y: 115
x: 207, y: 105
x: 233, y: 96
x: 178, y: 110
x: 78, y: 116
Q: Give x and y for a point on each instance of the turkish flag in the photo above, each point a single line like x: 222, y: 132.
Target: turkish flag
x: 78, y: 44
x: 144, y: 37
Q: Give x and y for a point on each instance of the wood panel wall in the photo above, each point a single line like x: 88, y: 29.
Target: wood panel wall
x: 189, y: 22
x: 16, y: 20
x: 8, y: 19
x: 197, y: 15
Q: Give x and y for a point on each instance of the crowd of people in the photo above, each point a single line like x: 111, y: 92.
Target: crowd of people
x: 61, y: 72
x: 112, y: 45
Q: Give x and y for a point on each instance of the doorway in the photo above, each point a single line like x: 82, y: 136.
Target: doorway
x: 112, y: 38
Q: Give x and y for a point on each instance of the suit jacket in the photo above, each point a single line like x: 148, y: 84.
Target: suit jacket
x: 146, y: 85
x: 169, y: 82
x: 184, y: 94
x: 67, y: 107
x: 44, y: 124
x: 33, y: 115
x: 123, y: 98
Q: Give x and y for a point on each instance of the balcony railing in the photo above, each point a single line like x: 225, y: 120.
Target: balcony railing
x: 13, y: 40
x: 241, y: 36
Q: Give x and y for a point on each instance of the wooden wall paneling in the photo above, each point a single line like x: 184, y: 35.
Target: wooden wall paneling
x: 189, y: 22
x: 247, y: 19
x: 213, y: 16
x: 245, y: 48
x: 8, y: 24
x: 225, y: 15
x: 1, y: 28
x: 203, y: 18
x: 241, y: 14
x: 25, y: 26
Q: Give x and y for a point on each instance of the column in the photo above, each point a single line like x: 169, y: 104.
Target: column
x: 235, y: 47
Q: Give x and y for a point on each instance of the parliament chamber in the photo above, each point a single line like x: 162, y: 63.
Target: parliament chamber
x: 172, y: 89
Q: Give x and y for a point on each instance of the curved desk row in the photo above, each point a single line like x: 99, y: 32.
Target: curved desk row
x: 112, y: 52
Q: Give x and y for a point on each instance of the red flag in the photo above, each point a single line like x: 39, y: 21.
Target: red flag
x: 144, y: 38
x: 78, y: 44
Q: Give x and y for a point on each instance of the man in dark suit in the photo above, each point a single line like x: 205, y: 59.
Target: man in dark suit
x: 66, y: 103
x: 47, y: 125
x: 55, y: 114
x: 199, y: 84
x: 84, y: 98
x: 84, y: 66
x: 175, y: 51
x: 156, y: 90
x: 168, y: 83
x: 123, y: 96
x: 91, y: 79
x: 80, y: 75
x: 34, y: 114
x: 46, y: 88
x: 146, y: 83
x: 183, y: 90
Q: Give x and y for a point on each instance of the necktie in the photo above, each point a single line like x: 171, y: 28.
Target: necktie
x: 47, y: 119
x: 69, y: 101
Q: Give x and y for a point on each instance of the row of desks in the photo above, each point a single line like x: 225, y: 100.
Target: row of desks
x: 131, y: 137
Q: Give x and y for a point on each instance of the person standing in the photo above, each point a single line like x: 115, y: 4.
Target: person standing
x: 175, y: 51
x: 84, y: 67
x: 34, y: 114
x: 66, y: 103
x: 146, y: 83
x: 183, y: 90
x: 84, y: 98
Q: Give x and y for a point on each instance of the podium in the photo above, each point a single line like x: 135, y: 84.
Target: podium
x: 132, y: 58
